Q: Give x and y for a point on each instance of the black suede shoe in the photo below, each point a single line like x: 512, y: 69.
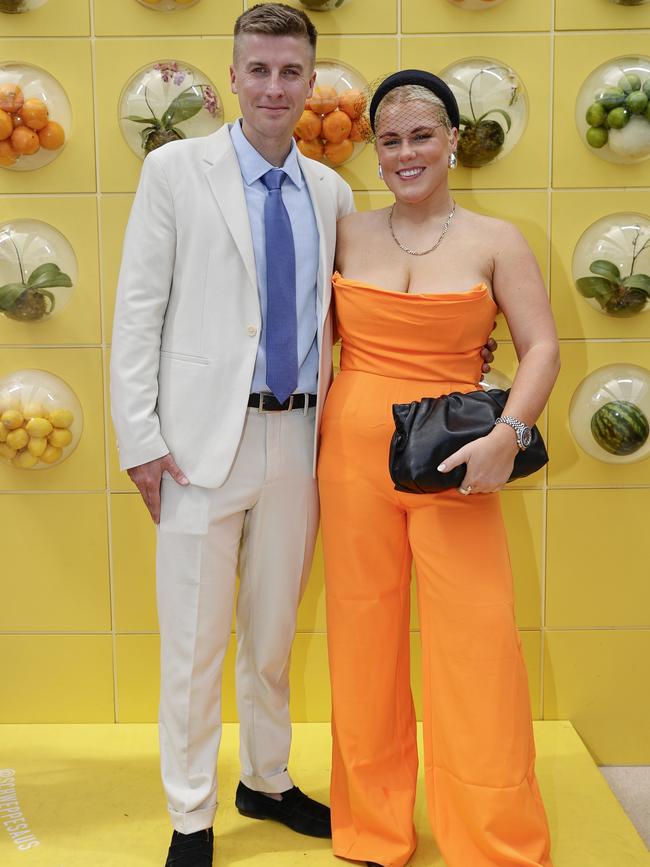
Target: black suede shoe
x: 295, y: 810
x: 191, y: 850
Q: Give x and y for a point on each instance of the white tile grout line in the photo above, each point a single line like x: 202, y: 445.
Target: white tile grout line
x: 549, y: 226
x: 399, y: 34
x: 102, y: 325
x: 4, y: 633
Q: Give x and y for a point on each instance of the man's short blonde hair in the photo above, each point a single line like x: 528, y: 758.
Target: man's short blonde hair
x: 275, y: 19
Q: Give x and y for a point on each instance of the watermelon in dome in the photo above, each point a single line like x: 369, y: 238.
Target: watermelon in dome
x: 620, y: 427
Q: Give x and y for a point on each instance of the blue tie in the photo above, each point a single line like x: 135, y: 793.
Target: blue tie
x: 281, y: 319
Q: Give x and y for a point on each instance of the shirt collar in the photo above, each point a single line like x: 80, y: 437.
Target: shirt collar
x: 252, y: 163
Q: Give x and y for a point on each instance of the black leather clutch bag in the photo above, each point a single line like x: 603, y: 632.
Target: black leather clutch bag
x: 432, y: 429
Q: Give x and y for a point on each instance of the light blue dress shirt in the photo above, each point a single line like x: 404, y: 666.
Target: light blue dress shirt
x: 297, y: 201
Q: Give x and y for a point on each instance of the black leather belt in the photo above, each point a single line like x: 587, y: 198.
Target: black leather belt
x: 269, y: 403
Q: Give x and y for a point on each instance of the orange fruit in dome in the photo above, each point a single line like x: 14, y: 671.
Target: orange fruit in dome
x: 352, y: 102
x: 360, y: 130
x: 336, y: 126
x: 8, y: 155
x: 34, y: 113
x: 339, y: 152
x: 11, y: 97
x: 309, y: 125
x: 52, y: 136
x: 6, y: 125
x: 323, y: 100
x: 24, y: 140
x: 312, y: 149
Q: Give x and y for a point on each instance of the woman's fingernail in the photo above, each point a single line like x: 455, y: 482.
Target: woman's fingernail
x: 441, y: 468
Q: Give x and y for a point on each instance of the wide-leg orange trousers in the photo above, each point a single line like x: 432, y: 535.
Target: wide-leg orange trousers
x: 483, y: 801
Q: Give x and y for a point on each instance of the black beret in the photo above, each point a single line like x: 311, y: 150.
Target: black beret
x: 424, y: 79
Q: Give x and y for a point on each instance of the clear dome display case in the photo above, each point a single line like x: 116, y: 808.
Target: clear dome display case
x: 493, y: 107
x: 611, y: 265
x: 322, y: 5
x: 613, y: 110
x: 167, y: 101
x: 476, y: 4
x: 38, y: 271
x: 40, y: 420
x: 16, y: 7
x: 35, y: 117
x: 495, y: 379
x: 333, y: 127
x: 609, y: 413
x: 167, y: 5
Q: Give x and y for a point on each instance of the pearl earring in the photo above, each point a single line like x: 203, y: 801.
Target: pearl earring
x: 452, y: 161
x: 380, y: 172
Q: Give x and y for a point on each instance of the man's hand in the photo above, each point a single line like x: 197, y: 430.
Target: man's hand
x: 487, y: 354
x: 146, y: 477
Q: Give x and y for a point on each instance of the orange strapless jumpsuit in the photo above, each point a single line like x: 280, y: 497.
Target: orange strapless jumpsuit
x: 483, y: 801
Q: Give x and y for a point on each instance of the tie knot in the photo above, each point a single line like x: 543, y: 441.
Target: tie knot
x: 274, y: 179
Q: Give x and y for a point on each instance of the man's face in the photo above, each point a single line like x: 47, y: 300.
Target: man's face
x: 272, y: 77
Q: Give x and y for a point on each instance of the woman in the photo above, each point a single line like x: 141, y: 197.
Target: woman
x: 416, y: 292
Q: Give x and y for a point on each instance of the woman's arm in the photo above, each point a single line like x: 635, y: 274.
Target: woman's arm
x: 521, y: 295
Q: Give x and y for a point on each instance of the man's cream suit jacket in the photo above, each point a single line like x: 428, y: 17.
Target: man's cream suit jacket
x: 187, y: 321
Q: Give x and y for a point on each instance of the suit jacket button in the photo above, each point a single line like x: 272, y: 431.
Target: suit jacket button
x: 252, y: 331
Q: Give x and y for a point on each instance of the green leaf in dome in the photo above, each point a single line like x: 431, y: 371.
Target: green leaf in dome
x: 186, y: 105
x: 595, y: 287
x: 638, y: 281
x: 9, y: 294
x: 498, y: 111
x: 605, y: 269
x: 137, y: 119
x: 48, y: 274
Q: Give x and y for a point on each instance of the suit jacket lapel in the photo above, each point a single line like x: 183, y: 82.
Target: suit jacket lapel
x: 224, y: 178
x: 326, y: 223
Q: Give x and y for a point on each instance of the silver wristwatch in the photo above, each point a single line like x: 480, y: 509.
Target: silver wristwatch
x: 522, y: 431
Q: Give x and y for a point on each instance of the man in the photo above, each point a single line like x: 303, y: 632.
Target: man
x: 221, y: 360
x: 217, y: 381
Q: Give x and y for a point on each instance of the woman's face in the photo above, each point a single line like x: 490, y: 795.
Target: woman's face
x: 413, y: 147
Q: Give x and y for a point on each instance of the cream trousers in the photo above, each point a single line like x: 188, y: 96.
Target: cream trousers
x: 261, y: 522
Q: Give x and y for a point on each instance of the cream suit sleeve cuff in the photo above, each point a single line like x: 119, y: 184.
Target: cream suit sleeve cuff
x: 142, y: 296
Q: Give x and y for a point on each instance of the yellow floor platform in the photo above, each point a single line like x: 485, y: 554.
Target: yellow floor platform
x: 90, y: 795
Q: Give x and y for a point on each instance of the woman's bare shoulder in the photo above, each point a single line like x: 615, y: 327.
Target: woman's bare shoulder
x: 491, y: 228
x: 359, y: 222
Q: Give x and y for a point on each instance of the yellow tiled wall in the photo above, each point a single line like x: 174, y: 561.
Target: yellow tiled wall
x: 78, y: 629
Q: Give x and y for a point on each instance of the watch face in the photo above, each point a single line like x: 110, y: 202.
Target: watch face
x: 526, y: 437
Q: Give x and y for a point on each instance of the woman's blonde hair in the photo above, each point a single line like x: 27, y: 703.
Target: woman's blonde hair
x: 413, y: 93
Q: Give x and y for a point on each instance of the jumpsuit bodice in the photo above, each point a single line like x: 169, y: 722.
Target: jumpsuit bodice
x: 425, y: 337
x: 396, y: 348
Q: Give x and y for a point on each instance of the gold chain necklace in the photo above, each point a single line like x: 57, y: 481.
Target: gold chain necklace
x: 431, y: 249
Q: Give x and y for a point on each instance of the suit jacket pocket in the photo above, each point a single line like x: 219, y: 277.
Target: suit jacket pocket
x: 181, y: 356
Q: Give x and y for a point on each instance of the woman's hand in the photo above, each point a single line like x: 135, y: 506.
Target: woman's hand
x: 489, y: 461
